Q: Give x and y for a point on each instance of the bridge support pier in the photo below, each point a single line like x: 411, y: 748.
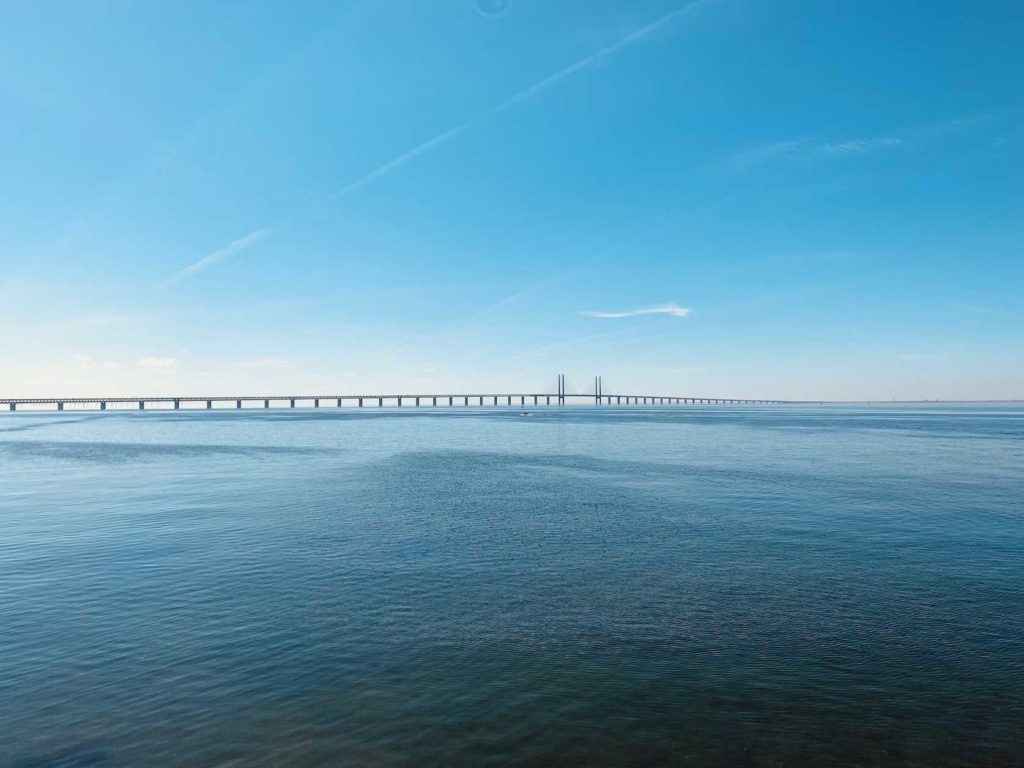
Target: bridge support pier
x: 339, y: 403
x: 238, y: 404
x: 399, y: 402
x: 360, y: 402
x: 316, y: 402
x: 60, y: 406
x: 291, y: 402
x: 417, y: 402
x: 547, y: 399
x: 13, y: 407
x: 142, y: 405
x: 209, y: 404
x: 177, y: 404
x: 380, y: 402
x: 434, y: 399
x: 495, y: 399
x: 481, y: 401
x: 266, y: 403
x: 465, y: 401
x: 451, y: 401
x: 103, y: 406
x: 510, y: 399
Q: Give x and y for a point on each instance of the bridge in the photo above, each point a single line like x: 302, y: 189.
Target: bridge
x: 504, y: 399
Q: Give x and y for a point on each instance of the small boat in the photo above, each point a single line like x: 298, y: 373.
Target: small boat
x: 525, y: 413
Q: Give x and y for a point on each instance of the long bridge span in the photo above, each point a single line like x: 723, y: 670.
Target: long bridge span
x: 488, y: 399
x: 380, y: 400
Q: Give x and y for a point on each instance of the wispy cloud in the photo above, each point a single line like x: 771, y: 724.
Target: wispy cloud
x: 862, y: 146
x: 944, y: 128
x: 805, y: 149
x: 87, y: 363
x: 518, y: 98
x: 159, y: 363
x: 975, y: 308
x: 754, y: 156
x: 268, y: 362
x: 230, y: 249
x: 671, y: 308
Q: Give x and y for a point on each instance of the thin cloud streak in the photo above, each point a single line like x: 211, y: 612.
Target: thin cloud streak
x: 749, y: 158
x: 862, y: 146
x: 805, y: 148
x: 671, y: 308
x: 976, y: 308
x: 808, y: 150
x: 518, y: 98
x: 237, y: 246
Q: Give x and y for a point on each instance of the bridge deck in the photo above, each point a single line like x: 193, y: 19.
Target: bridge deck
x: 491, y: 399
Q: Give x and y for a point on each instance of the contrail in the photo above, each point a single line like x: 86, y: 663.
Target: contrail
x: 402, y: 159
x: 594, y: 58
x: 518, y: 98
x: 230, y: 249
x: 447, y: 135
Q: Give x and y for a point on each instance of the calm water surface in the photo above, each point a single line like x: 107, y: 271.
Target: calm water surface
x: 686, y: 586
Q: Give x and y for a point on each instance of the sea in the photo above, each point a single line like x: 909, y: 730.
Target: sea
x: 579, y: 586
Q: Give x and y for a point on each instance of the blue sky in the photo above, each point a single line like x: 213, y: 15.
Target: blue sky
x: 728, y: 198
